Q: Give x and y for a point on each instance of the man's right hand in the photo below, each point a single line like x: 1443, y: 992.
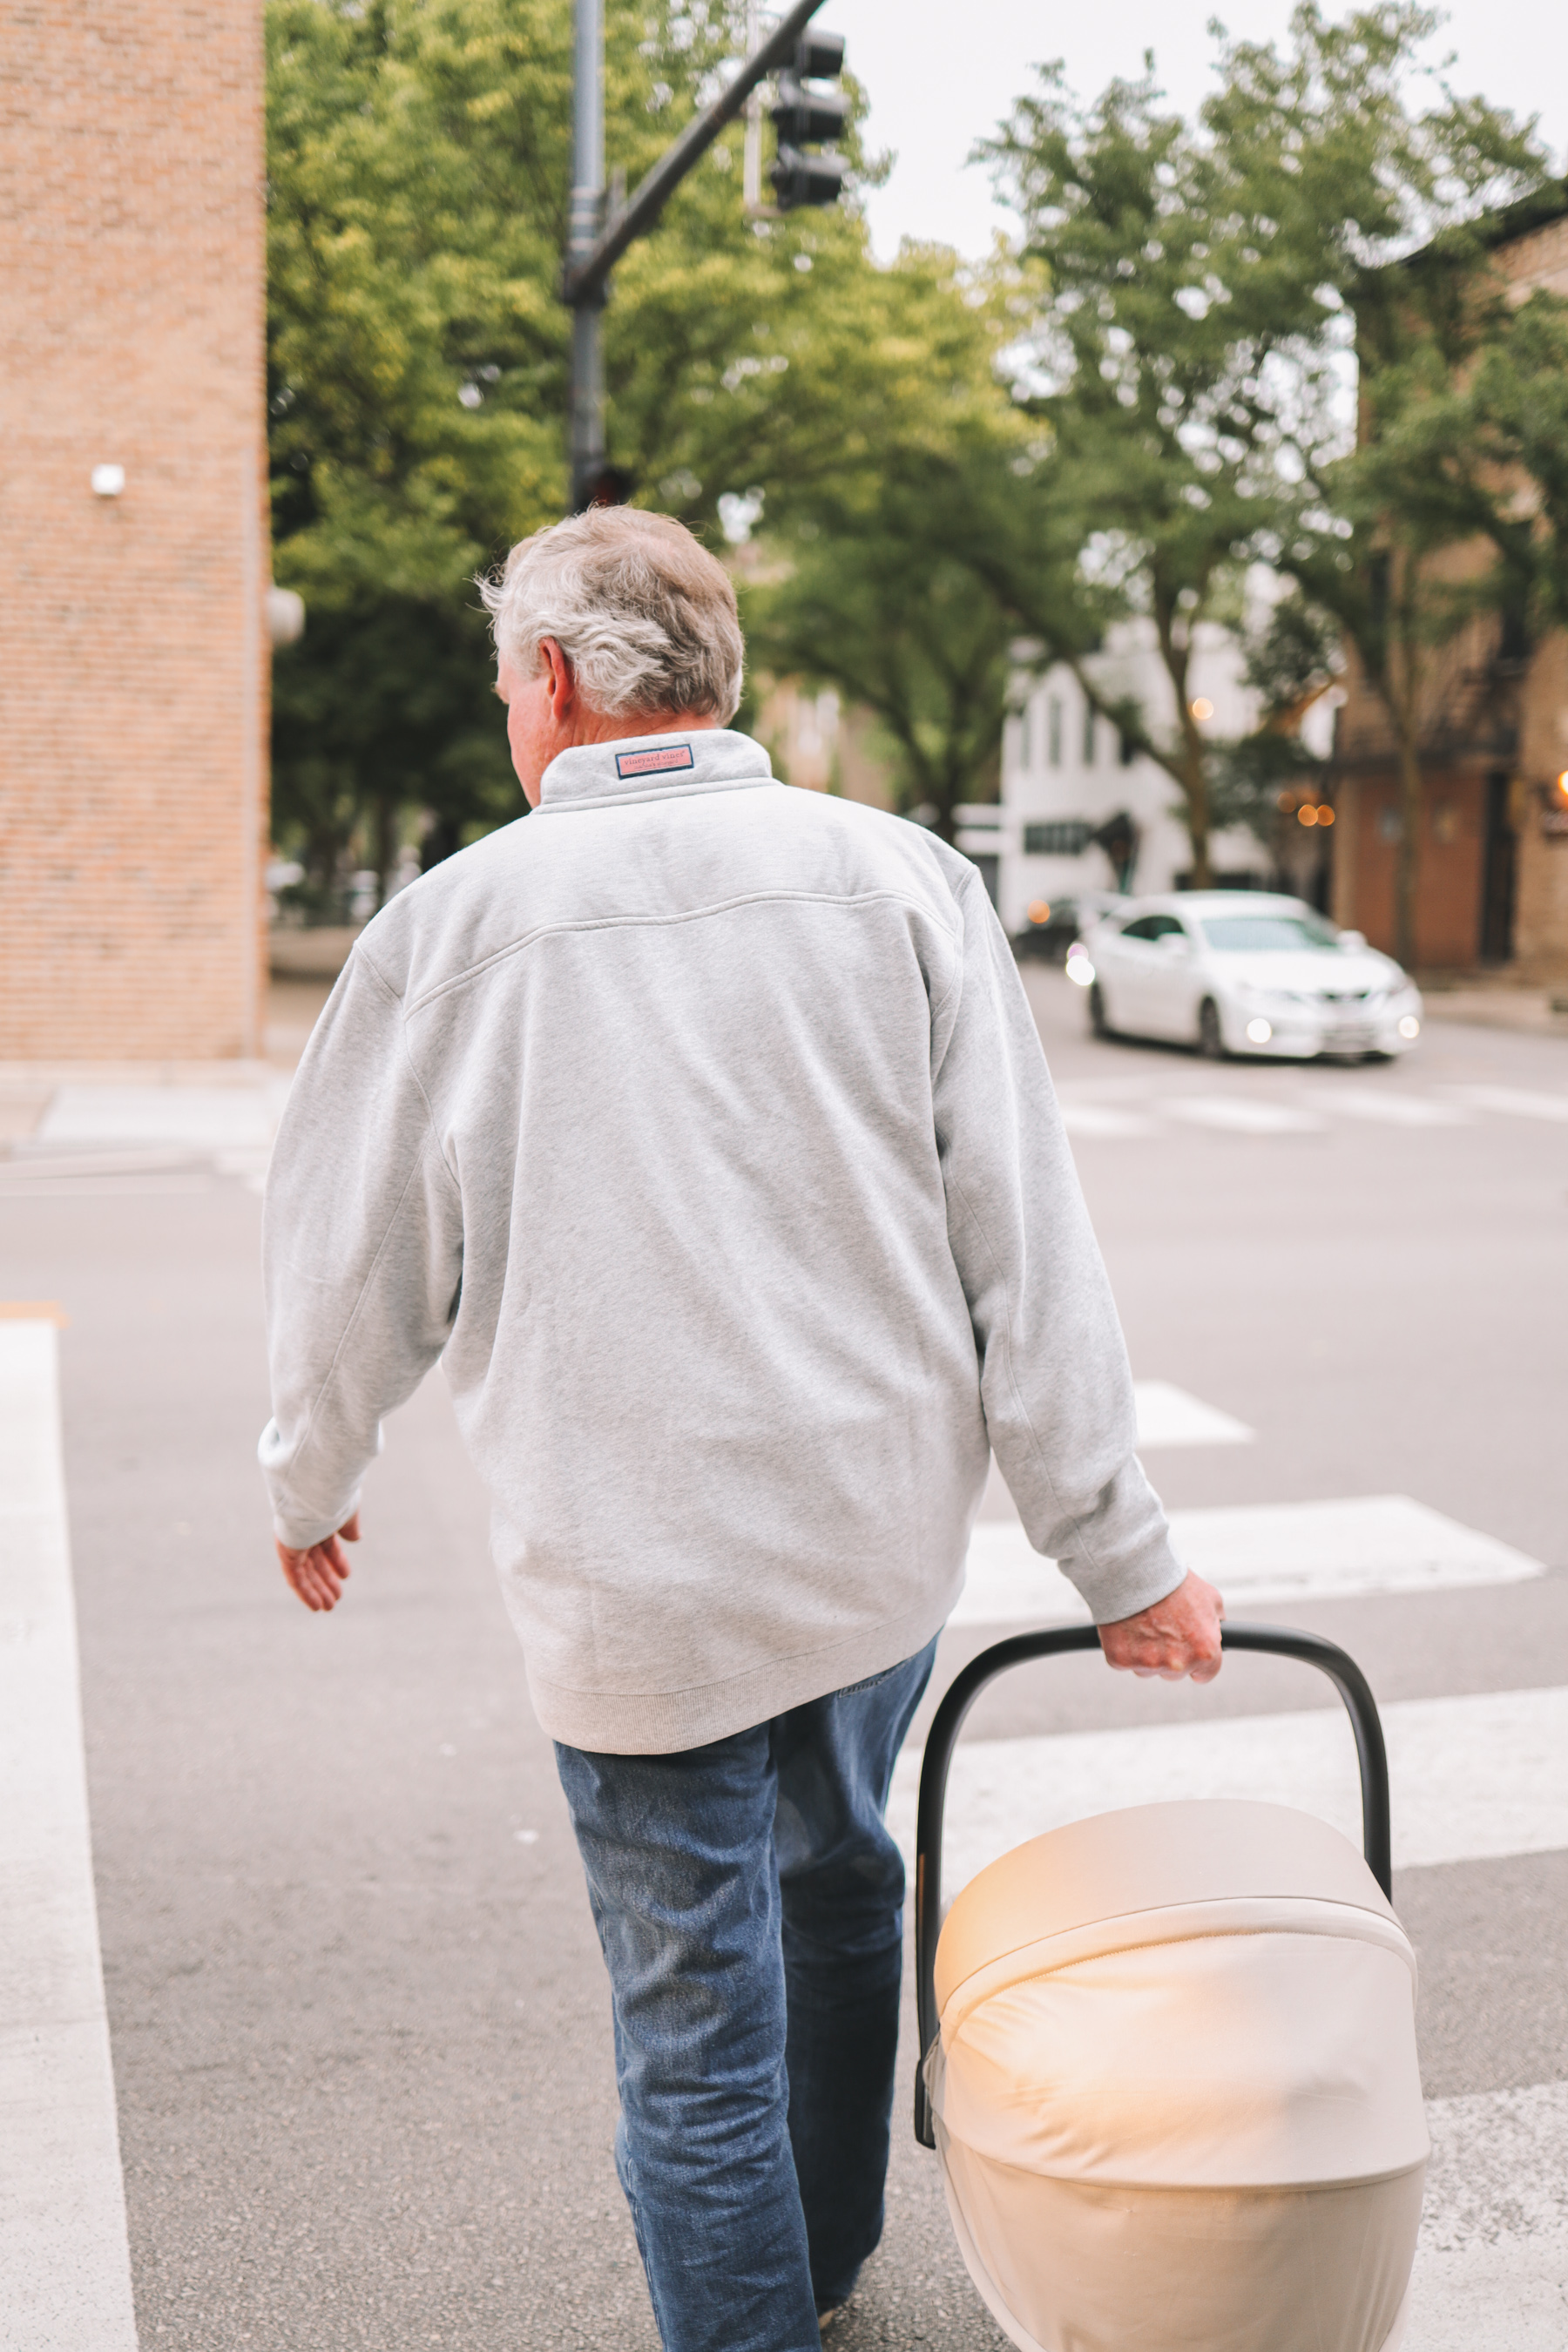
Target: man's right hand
x: 317, y: 1574
x: 1176, y: 1636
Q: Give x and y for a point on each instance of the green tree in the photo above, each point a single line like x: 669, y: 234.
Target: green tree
x: 887, y: 611
x: 1515, y: 405
x: 418, y: 162
x: 1292, y: 658
x: 1189, y: 353
x: 877, y: 576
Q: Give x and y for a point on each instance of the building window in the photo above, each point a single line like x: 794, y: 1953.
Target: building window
x: 1054, y: 716
x: 1025, y: 737
x: 1089, y: 734
x: 1068, y: 838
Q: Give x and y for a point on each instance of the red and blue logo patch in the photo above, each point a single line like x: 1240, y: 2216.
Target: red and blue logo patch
x: 654, y: 762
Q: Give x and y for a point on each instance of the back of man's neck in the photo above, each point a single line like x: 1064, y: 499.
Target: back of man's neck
x: 595, y: 727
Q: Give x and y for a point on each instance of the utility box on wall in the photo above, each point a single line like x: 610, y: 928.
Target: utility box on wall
x: 133, y: 542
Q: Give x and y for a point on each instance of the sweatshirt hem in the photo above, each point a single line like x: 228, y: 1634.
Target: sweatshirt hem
x: 662, y: 1723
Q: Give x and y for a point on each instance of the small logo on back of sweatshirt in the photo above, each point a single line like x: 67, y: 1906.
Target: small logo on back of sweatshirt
x: 655, y: 762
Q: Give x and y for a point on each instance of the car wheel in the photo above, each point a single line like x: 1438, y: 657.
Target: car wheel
x: 1211, y: 1036
x: 1097, y: 1020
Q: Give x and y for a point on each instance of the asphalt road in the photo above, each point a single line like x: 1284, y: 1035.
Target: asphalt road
x: 359, y: 2026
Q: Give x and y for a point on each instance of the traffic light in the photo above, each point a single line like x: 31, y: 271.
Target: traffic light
x: 804, y: 117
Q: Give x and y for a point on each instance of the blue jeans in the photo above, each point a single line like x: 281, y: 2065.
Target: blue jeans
x: 750, y: 1907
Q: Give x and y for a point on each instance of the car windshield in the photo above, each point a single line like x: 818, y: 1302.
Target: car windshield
x: 1267, y: 934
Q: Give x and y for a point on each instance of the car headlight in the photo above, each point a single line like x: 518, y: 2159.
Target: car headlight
x: 1079, y: 969
x: 1409, y: 1028
x: 1258, y: 1032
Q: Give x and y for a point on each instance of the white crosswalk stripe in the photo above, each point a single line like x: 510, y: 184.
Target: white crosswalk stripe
x: 1473, y: 1779
x: 1168, y: 1416
x: 1242, y: 1114
x: 1517, y: 1102
x: 1258, y: 1553
x: 1390, y: 1110
x: 1492, y: 2267
x: 65, y: 2267
x: 1268, y: 1108
x: 1105, y: 1121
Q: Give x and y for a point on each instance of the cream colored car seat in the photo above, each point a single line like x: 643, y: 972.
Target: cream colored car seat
x: 1172, y: 2077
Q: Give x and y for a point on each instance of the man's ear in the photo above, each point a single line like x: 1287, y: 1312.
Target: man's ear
x: 561, y: 686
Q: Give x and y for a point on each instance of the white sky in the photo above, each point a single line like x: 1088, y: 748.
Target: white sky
x: 941, y: 76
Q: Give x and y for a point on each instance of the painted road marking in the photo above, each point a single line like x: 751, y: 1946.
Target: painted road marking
x: 65, y: 2267
x: 1390, y: 1110
x: 1517, y: 1102
x: 1257, y: 1553
x: 1473, y: 1779
x: 1492, y: 2265
x: 1168, y: 1416
x: 1104, y: 1122
x: 1242, y: 1114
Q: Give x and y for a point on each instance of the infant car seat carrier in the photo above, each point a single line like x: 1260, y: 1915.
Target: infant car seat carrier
x: 1169, y: 2062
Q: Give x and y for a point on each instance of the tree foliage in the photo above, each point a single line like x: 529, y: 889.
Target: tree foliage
x: 1190, y: 354
x: 419, y: 167
x: 1152, y: 395
x: 882, y: 578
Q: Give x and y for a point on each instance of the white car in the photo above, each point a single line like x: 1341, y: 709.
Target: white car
x: 1242, y: 972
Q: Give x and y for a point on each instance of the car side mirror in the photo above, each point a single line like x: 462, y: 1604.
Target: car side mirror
x: 1352, y: 939
x: 1173, y: 943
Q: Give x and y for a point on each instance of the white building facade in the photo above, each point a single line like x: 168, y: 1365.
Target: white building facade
x: 1066, y: 777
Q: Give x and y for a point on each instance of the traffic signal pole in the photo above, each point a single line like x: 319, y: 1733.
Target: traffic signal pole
x: 583, y: 222
x: 594, y: 245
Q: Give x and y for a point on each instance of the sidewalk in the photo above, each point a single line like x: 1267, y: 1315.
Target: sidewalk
x: 1498, y: 1004
x: 55, y: 1113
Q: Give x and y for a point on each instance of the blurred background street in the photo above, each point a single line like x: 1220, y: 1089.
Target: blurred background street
x: 359, y: 2024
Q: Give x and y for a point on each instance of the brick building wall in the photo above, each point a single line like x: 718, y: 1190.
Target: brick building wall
x: 1540, y: 922
x: 1541, y: 816
x: 132, y: 658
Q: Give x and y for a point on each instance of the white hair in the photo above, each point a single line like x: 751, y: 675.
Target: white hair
x: 644, y: 615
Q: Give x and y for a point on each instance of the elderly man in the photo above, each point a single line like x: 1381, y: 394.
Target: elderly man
x: 701, y: 1129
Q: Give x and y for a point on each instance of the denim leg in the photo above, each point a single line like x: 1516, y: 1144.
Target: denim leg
x: 678, y: 1852
x: 841, y: 1880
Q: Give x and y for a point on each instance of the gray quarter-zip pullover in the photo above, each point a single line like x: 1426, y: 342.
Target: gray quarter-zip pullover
x: 700, y: 1127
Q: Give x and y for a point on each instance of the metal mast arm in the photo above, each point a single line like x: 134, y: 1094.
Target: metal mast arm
x: 583, y: 279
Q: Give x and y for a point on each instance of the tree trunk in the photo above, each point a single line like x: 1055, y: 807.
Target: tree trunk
x: 1176, y: 651
x: 1407, y: 871
x: 1400, y: 686
x: 1196, y: 786
x: 386, y: 848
